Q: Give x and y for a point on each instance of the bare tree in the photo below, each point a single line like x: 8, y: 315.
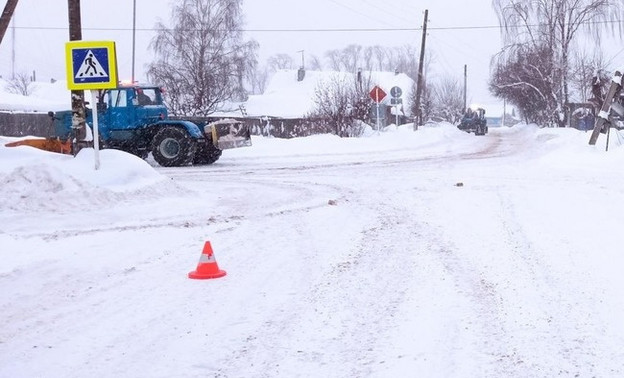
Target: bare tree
x: 20, y: 84
x: 524, y: 75
x: 405, y: 59
x: 554, y: 24
x: 448, y: 101
x: 427, y: 101
x: 341, y: 104
x: 367, y: 57
x: 202, y: 60
x: 380, y: 54
x: 374, y: 58
x: 333, y: 57
x: 257, y: 79
x: 314, y: 63
x: 350, y: 58
x: 280, y: 62
x: 585, y: 70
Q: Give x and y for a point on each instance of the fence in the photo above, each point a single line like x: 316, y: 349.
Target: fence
x: 40, y: 124
x: 23, y: 124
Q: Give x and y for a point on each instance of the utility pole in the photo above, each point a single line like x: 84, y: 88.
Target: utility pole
x: 133, y: 36
x: 420, y: 73
x: 13, y: 49
x: 302, y: 58
x: 465, y: 86
x: 5, y: 18
x: 77, y: 96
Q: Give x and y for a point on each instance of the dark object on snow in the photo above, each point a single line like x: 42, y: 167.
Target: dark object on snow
x: 474, y: 121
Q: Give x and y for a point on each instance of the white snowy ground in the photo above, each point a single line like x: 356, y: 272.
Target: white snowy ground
x: 344, y: 258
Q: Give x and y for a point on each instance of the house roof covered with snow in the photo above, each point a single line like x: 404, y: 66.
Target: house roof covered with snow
x: 43, y: 97
x: 287, y: 97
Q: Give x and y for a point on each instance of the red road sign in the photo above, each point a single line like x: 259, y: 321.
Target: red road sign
x: 377, y: 94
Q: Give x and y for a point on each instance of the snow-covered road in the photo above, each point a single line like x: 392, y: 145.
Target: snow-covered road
x: 444, y: 255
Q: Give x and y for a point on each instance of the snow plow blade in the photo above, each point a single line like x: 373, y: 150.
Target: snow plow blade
x: 52, y: 145
x: 229, y: 133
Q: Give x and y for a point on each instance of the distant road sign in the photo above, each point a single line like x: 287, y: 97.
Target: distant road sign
x: 91, y: 65
x: 396, y: 101
x: 377, y: 94
x: 396, y: 92
x: 378, y: 111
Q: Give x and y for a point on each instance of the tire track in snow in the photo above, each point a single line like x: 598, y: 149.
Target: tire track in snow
x: 542, y: 325
x: 378, y: 270
x: 337, y: 327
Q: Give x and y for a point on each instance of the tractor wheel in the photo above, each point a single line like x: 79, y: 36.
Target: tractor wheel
x: 206, y: 153
x: 173, y: 147
x: 140, y: 152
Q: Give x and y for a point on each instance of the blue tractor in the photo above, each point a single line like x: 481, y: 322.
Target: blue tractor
x: 474, y: 121
x: 134, y: 119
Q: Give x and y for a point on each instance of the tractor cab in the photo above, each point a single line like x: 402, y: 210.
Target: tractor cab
x: 123, y: 110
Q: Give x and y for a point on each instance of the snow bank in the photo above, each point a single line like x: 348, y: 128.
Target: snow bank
x: 34, y: 180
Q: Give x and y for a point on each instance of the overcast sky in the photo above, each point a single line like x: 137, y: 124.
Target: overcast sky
x: 41, y: 31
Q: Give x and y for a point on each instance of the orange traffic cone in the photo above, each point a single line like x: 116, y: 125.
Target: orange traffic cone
x: 207, y: 266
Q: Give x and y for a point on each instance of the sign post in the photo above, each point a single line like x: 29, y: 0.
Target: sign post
x: 396, y: 93
x: 377, y: 94
x: 91, y: 65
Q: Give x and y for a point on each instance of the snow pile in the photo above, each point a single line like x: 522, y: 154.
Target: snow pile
x: 34, y: 180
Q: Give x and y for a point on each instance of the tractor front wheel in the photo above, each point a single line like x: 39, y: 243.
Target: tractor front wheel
x: 173, y: 147
x: 207, y: 153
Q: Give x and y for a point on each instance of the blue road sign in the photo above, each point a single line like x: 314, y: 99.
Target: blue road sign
x: 396, y: 92
x: 91, y: 65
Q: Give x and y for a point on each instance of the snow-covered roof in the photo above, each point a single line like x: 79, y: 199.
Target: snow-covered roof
x: 43, y: 97
x: 287, y: 97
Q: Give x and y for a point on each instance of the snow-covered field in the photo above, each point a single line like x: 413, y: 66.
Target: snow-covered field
x: 432, y: 253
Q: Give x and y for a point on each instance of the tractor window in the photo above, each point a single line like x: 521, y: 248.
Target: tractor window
x: 146, y: 96
x: 118, y: 99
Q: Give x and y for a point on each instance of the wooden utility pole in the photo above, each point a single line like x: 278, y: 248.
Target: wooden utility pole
x: 77, y: 97
x: 133, y: 37
x: 465, y: 87
x: 5, y: 18
x: 420, y: 73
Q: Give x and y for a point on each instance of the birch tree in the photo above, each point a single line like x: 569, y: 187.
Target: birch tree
x: 554, y: 25
x: 525, y: 79
x: 202, y: 60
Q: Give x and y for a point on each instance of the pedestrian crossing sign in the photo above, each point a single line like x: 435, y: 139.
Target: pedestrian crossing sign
x: 91, y: 65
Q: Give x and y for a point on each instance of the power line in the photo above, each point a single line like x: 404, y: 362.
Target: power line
x: 354, y: 10
x: 331, y: 30
x: 328, y: 30
x: 386, y: 11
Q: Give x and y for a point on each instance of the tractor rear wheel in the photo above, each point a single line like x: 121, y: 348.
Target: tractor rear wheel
x: 173, y: 147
